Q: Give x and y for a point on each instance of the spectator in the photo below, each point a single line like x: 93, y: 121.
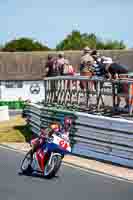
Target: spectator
x: 117, y: 71
x: 67, y: 69
x: 52, y: 71
x: 96, y: 56
x: 49, y: 66
x: 105, y: 62
x: 86, y: 62
x: 59, y: 63
x: 98, y: 66
x: 114, y: 70
x: 54, y: 65
x: 86, y: 66
x: 86, y: 56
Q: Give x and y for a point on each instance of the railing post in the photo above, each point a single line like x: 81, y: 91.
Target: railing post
x: 45, y: 91
x: 114, y: 96
x: 130, y: 98
x: 98, y: 91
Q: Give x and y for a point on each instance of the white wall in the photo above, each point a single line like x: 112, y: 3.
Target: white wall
x: 24, y: 93
x: 4, y: 113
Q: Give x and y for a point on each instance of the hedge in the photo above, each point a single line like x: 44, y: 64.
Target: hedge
x: 13, y: 104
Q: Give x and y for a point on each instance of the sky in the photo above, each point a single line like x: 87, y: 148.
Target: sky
x: 49, y: 21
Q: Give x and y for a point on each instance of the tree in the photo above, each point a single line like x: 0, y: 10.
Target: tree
x: 122, y: 45
x: 24, y: 44
x: 72, y: 41
x: 77, y: 41
x: 114, y: 45
x: 89, y: 40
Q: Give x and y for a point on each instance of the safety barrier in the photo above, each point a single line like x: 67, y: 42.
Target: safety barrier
x: 93, y: 136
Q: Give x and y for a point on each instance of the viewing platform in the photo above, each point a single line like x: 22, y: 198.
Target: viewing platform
x: 94, y: 96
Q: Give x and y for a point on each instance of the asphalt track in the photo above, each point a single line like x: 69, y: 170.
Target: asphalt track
x: 73, y: 184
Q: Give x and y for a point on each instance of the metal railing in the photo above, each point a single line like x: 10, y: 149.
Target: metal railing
x: 95, y: 95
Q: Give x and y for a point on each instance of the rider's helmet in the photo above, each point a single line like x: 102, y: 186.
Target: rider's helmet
x: 55, y: 126
x: 67, y: 123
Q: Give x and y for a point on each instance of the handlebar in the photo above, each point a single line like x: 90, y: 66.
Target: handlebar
x: 49, y: 139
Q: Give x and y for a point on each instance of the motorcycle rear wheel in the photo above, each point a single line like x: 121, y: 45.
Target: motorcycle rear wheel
x: 26, y: 163
x: 51, y: 170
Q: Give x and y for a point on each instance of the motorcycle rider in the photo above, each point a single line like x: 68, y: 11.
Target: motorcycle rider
x: 54, y: 127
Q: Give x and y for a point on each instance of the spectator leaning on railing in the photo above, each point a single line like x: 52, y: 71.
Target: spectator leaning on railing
x: 116, y: 71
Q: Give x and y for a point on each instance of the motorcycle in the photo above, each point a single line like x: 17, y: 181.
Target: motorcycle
x: 48, y: 155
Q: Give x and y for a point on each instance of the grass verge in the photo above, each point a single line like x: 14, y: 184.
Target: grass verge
x: 14, y: 130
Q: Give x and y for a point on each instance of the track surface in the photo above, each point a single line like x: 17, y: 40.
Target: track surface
x: 71, y: 183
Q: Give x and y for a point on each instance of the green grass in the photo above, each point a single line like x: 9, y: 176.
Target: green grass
x: 14, y: 130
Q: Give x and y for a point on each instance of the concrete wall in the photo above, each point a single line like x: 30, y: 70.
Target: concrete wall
x: 124, y: 57
x: 26, y: 63
x: 24, y: 93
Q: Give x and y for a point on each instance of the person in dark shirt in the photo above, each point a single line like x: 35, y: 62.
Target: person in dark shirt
x: 52, y: 71
x: 117, y: 71
x: 49, y: 66
x: 96, y: 56
x: 98, y: 66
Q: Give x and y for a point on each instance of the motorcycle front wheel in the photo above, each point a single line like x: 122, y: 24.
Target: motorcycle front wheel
x: 26, y: 163
x: 51, y: 170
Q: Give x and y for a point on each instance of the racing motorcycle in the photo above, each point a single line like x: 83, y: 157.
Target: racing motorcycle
x: 45, y: 156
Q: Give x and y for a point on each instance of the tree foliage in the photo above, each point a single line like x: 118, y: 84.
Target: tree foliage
x: 24, y: 44
x: 77, y: 41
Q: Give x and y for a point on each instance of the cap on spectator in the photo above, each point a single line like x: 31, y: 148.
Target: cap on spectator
x: 87, y: 50
x: 107, y: 60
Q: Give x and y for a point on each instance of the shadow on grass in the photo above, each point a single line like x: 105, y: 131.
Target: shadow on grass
x: 25, y: 131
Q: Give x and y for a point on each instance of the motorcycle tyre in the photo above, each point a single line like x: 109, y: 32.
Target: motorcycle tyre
x: 29, y: 169
x: 55, y: 169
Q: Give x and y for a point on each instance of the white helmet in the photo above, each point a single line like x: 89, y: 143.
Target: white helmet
x: 107, y: 60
